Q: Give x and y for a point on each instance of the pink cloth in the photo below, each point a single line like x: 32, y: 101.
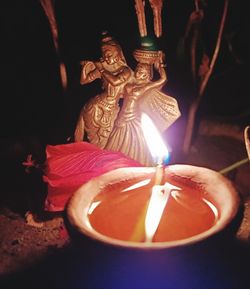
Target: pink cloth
x: 68, y: 166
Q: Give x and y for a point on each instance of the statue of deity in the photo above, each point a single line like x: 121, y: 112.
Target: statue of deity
x: 142, y: 94
x: 97, y: 117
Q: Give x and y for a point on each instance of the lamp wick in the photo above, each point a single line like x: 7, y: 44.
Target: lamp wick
x: 159, y: 171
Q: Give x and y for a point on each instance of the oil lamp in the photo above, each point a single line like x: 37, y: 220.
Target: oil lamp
x: 154, y: 207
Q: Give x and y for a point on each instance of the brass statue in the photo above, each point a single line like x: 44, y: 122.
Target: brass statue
x: 119, y: 129
x: 97, y: 117
x: 142, y: 95
x: 156, y: 6
x: 139, y: 8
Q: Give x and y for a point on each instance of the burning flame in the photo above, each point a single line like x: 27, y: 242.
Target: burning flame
x: 156, y: 145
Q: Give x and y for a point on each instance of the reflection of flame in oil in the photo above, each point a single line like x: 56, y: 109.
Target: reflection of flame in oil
x: 212, y: 207
x: 93, y: 206
x: 192, y: 203
x: 157, y: 204
x: 137, y: 185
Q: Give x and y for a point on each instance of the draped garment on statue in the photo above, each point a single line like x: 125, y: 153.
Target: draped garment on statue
x: 161, y: 108
x: 127, y: 135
